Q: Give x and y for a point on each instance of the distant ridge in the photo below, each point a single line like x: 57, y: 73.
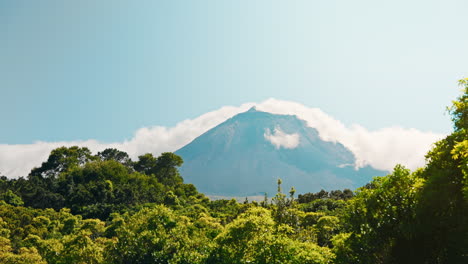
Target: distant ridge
x: 246, y: 154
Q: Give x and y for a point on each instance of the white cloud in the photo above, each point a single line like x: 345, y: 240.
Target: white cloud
x: 280, y: 139
x: 18, y: 160
x: 382, y: 148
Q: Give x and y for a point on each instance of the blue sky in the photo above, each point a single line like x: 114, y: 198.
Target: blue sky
x: 77, y: 70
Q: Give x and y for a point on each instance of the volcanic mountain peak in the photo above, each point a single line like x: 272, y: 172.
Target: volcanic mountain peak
x: 246, y: 154
x: 252, y: 109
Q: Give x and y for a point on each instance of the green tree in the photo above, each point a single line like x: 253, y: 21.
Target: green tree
x: 327, y: 227
x: 11, y: 198
x: 62, y: 159
x: 146, y: 164
x: 380, y: 219
x: 117, y: 155
x: 441, y: 226
x: 167, y: 172
x: 254, y: 237
x: 22, y: 256
x: 157, y: 235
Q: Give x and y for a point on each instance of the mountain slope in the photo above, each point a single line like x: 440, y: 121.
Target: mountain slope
x: 246, y: 154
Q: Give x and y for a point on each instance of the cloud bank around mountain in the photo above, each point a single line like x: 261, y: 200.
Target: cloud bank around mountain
x: 381, y: 148
x: 280, y: 139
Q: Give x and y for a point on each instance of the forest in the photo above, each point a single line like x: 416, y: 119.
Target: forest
x: 107, y: 208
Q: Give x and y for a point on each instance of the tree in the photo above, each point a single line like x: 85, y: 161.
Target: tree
x: 157, y: 235
x: 442, y: 222
x: 327, y: 227
x: 167, y: 171
x: 417, y: 217
x: 115, y: 154
x: 11, y: 198
x: 254, y: 237
x: 146, y: 164
x: 380, y: 219
x: 459, y: 108
x: 164, y: 168
x: 62, y: 159
x: 22, y: 256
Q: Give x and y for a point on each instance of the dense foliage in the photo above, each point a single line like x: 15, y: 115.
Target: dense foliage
x: 105, y: 208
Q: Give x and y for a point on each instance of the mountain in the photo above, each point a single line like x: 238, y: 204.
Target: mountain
x: 246, y: 154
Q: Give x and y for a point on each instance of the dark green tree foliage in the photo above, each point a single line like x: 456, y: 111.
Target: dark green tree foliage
x: 95, y: 186
x: 164, y: 168
x: 105, y: 186
x: 323, y: 205
x: 60, y: 160
x: 346, y: 194
x: 41, y: 188
x: 117, y: 155
x: 146, y: 164
x: 418, y: 217
x: 442, y: 211
x: 380, y: 219
x: 167, y: 172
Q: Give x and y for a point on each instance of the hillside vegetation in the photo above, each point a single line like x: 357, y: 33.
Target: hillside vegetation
x: 106, y: 208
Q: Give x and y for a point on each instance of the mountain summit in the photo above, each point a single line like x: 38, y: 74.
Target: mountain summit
x: 252, y: 109
x: 246, y: 154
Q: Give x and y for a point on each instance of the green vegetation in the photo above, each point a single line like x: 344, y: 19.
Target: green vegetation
x: 105, y: 208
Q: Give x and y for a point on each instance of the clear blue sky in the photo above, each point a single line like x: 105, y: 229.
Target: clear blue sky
x: 102, y: 69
